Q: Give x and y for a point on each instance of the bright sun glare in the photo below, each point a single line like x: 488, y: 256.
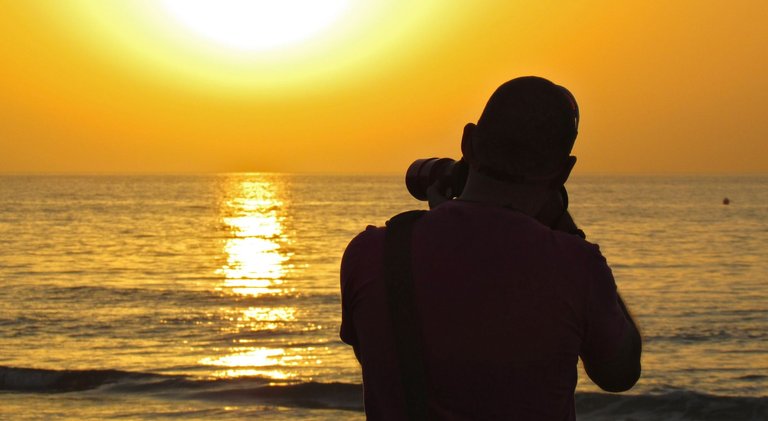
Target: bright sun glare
x: 256, y: 25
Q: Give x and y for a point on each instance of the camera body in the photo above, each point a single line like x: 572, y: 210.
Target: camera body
x: 422, y: 173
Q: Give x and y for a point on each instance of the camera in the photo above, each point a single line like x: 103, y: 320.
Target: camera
x: 424, y: 172
x: 452, y: 174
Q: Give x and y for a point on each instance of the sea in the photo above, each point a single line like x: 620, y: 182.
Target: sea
x: 217, y: 296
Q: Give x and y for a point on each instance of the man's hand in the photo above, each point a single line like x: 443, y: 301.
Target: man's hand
x: 555, y: 215
x: 438, y: 193
x: 553, y: 209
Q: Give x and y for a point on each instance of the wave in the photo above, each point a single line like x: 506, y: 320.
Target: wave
x: 243, y: 390
x: 680, y: 405
x: 39, y: 380
x: 667, y: 405
x: 182, y: 297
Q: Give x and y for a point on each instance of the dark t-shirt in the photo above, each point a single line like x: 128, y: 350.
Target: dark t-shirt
x: 505, y: 305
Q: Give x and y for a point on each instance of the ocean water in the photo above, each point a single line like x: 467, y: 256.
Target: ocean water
x: 216, y: 296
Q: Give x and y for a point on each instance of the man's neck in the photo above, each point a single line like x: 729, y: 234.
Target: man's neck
x: 527, y: 198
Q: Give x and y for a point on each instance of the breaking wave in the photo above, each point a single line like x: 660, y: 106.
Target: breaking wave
x: 669, y: 405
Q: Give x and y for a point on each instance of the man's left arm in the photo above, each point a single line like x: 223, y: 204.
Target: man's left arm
x: 347, y: 332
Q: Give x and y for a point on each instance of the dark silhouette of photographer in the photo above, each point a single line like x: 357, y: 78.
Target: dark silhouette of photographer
x: 481, y: 307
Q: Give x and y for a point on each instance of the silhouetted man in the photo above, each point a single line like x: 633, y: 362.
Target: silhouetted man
x: 507, y: 292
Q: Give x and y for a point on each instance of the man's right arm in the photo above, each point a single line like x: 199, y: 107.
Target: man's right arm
x: 609, y: 327
x: 621, y: 370
x: 611, y: 346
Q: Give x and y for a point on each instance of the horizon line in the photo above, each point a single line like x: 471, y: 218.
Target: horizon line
x: 357, y: 174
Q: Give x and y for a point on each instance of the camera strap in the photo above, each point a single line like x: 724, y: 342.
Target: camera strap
x: 398, y: 277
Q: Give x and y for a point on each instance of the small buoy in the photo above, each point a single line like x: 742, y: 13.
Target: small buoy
x: 726, y: 201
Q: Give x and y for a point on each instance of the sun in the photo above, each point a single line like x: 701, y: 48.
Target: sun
x: 256, y: 25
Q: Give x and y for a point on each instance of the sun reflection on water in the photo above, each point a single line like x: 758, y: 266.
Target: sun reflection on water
x: 256, y: 266
x: 253, y: 214
x: 248, y: 362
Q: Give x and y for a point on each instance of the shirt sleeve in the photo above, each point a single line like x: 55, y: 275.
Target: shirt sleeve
x: 605, y: 324
x: 349, y: 273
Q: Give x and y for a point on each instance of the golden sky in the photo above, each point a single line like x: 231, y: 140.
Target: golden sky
x: 129, y: 86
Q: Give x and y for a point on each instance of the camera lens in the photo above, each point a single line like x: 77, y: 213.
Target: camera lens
x: 424, y: 172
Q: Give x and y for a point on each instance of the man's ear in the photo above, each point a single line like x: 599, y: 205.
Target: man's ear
x: 561, y: 178
x: 466, y: 142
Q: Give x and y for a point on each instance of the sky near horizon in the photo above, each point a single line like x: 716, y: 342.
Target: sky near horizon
x: 348, y: 86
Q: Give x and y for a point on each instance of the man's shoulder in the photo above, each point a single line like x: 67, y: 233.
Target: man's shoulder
x: 577, y: 246
x: 371, y: 236
x: 366, y: 247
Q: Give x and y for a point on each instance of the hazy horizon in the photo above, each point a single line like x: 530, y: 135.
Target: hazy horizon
x: 575, y: 174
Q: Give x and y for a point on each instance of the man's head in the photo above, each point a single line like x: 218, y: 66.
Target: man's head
x: 526, y: 131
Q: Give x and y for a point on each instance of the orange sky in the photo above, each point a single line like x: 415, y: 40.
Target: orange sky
x: 109, y: 86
